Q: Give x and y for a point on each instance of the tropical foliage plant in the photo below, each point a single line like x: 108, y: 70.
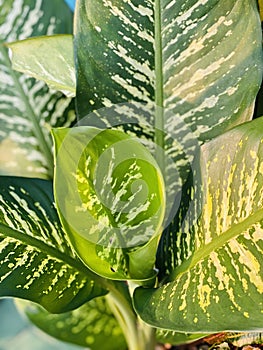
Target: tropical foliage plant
x: 149, y: 226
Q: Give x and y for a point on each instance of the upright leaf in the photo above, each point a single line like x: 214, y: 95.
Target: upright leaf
x: 220, y: 286
x: 36, y: 261
x: 185, y: 58
x: 92, y: 325
x: 28, y: 107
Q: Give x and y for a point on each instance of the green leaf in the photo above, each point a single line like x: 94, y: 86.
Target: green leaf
x: 92, y: 325
x: 220, y: 285
x: 176, y: 63
x: 27, y: 107
x: 47, y: 58
x: 37, y: 262
x: 111, y: 202
x: 176, y: 338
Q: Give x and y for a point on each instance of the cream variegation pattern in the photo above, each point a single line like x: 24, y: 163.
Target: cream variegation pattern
x: 183, y: 57
x: 27, y: 107
x: 36, y: 261
x: 221, y: 282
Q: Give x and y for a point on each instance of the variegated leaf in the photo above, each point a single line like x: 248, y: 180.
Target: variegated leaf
x: 184, y: 58
x: 36, y: 261
x: 169, y: 73
x: 47, y: 58
x: 27, y: 107
x: 92, y: 325
x: 220, y: 286
x: 111, y: 202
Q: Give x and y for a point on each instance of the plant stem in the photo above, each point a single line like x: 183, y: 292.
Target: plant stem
x: 126, y: 318
x: 138, y: 335
x: 147, y: 335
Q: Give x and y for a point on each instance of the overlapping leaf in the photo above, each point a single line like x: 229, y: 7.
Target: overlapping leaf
x: 27, y: 107
x: 36, y: 261
x: 220, y: 286
x: 47, y: 58
x: 111, y: 202
x: 92, y: 325
x: 169, y: 72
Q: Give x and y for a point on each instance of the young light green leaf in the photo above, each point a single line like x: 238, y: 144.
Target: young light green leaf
x: 92, y: 325
x: 47, y: 58
x: 220, y: 283
x: 36, y: 261
x: 111, y: 202
x: 27, y: 107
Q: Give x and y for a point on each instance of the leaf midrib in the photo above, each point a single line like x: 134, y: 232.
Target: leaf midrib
x: 30, y: 113
x: 159, y: 98
x: 48, y: 250
x: 218, y: 242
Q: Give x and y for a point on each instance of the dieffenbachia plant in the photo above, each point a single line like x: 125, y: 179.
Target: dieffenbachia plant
x: 156, y: 230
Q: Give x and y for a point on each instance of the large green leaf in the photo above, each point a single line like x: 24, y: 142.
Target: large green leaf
x: 111, y: 202
x: 92, y: 325
x: 185, y: 57
x: 47, y: 58
x: 220, y: 286
x: 27, y: 107
x: 36, y: 261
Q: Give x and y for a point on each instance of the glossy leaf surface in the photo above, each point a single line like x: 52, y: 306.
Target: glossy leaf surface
x: 111, y: 202
x: 27, y: 107
x: 220, y: 283
x: 47, y: 58
x: 183, y: 57
x: 92, y: 325
x: 36, y: 261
